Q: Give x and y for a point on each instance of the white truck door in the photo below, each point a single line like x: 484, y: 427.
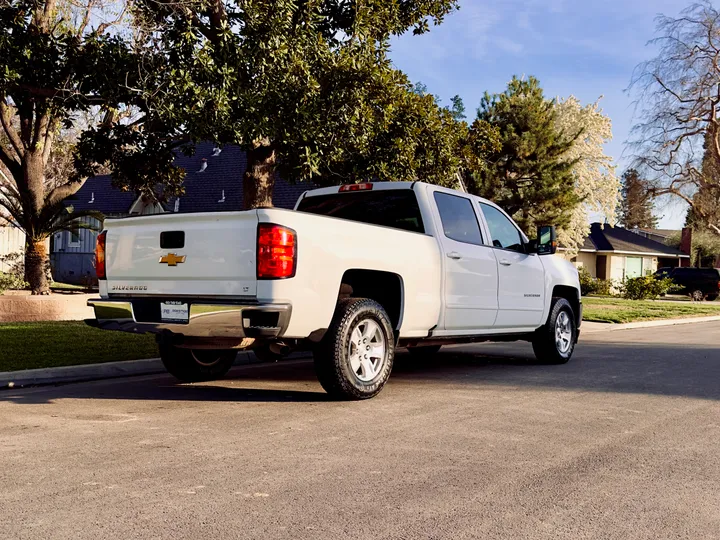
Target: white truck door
x: 470, y: 267
x: 521, y: 290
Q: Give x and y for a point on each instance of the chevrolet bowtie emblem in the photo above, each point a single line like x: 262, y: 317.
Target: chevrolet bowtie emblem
x: 172, y: 260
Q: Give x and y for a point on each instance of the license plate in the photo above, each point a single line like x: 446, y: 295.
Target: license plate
x: 174, y: 312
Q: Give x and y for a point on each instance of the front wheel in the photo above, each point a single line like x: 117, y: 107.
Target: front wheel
x: 196, y: 365
x: 554, y: 343
x: 355, y: 358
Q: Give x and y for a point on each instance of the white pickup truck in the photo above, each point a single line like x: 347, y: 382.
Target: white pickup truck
x: 352, y: 273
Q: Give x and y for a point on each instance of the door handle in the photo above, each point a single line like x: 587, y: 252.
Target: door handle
x: 505, y: 262
x: 454, y: 255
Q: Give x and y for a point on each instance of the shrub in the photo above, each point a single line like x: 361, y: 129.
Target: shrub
x: 587, y: 284
x: 604, y: 287
x: 591, y: 285
x: 645, y: 287
x: 11, y: 282
x: 16, y: 263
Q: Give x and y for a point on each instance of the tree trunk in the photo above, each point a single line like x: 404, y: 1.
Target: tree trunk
x: 36, y: 260
x: 259, y: 177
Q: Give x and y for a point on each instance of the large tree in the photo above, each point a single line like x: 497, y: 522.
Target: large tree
x: 678, y: 134
x: 304, y: 87
x: 60, y: 62
x: 637, y: 205
x: 529, y: 174
x: 594, y: 180
x: 706, y: 200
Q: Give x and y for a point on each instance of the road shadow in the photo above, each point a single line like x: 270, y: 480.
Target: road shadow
x: 620, y: 367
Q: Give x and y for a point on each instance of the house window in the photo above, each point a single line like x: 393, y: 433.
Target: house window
x: 633, y: 267
x: 74, y: 236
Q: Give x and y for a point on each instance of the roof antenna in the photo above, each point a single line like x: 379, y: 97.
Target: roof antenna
x: 223, y: 197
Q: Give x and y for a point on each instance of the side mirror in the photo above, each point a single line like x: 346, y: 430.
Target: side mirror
x: 546, y: 240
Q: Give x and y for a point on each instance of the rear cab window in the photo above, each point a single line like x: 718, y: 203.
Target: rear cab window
x: 458, y: 218
x: 395, y: 208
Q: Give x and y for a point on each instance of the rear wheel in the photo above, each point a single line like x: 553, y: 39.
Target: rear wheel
x: 355, y: 358
x: 554, y: 343
x: 697, y: 296
x: 195, y: 365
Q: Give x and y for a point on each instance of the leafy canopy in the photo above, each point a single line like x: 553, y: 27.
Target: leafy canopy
x: 309, y: 80
x: 528, y: 174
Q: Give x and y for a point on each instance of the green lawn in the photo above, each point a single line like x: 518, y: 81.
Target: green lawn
x: 617, y: 310
x: 50, y: 344
x: 66, y: 287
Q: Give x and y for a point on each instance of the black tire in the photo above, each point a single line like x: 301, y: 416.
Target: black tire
x: 196, y: 365
x: 712, y: 297
x: 697, y: 296
x: 264, y: 354
x: 545, y: 345
x: 333, y: 358
x: 424, y: 353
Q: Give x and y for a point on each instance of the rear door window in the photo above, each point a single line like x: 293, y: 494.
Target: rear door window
x: 396, y: 208
x: 458, y: 218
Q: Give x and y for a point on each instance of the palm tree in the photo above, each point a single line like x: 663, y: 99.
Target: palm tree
x: 52, y: 218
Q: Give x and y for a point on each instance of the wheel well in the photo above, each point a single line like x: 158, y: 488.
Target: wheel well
x: 383, y: 287
x: 571, y: 295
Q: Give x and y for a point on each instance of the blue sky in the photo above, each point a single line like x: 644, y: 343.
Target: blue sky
x: 585, y: 48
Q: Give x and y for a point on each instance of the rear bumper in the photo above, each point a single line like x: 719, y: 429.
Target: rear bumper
x: 206, y: 319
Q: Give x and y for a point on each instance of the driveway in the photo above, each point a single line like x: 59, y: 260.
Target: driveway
x: 623, y: 442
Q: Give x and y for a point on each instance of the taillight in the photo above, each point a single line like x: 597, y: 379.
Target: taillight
x: 355, y: 187
x: 277, y: 252
x: 100, y: 256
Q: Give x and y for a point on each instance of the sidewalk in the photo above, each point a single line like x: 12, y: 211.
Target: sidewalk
x: 592, y: 327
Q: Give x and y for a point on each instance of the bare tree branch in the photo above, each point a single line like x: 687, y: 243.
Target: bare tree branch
x: 677, y: 140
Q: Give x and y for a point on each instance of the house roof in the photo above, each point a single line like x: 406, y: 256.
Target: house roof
x: 665, y: 233
x: 618, y: 239
x: 106, y: 199
x: 203, y: 190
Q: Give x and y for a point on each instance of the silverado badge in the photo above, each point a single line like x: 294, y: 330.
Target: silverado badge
x: 172, y: 260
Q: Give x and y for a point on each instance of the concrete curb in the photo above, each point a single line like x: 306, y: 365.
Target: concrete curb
x: 109, y: 370
x: 593, y: 327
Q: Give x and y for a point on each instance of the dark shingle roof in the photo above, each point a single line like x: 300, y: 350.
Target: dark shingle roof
x: 588, y: 244
x: 203, y: 190
x: 107, y: 199
x: 667, y: 233
x: 610, y: 238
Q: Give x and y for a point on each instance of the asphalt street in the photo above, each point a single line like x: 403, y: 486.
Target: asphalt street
x: 623, y: 442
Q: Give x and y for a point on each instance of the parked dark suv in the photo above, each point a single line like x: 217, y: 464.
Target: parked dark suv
x: 699, y: 283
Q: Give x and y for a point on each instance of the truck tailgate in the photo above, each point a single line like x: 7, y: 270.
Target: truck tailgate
x: 201, y: 255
